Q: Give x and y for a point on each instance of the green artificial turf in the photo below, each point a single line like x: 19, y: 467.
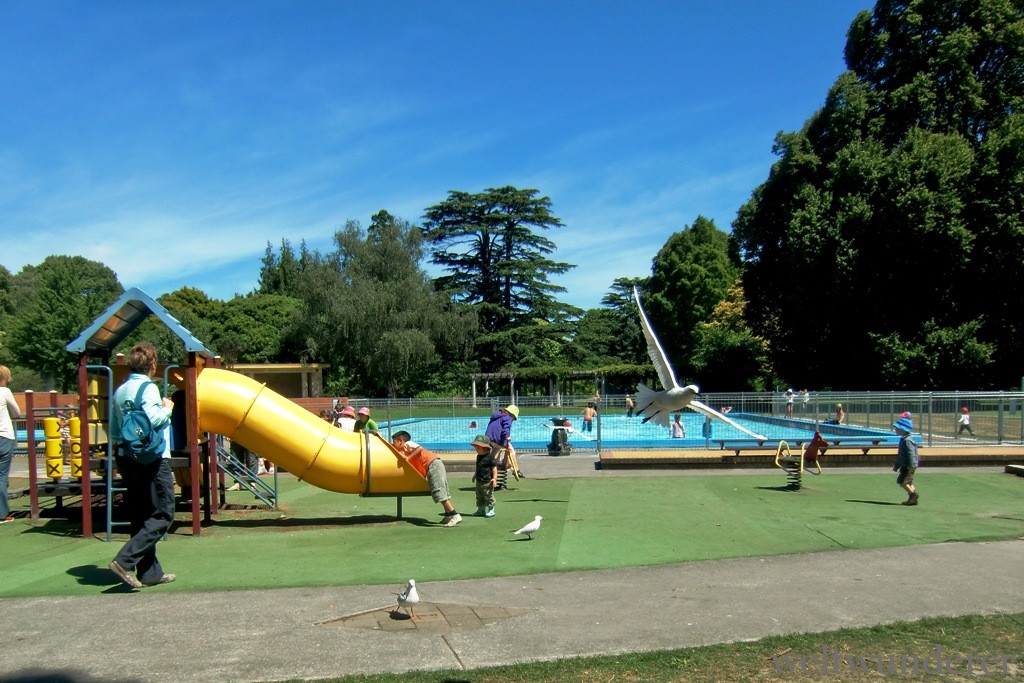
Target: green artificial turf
x: 328, y: 538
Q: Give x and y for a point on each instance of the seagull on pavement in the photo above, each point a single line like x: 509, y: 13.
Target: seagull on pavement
x: 408, y: 599
x: 658, y: 405
x: 530, y: 529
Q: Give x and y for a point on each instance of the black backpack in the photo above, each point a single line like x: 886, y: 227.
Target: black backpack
x: 141, y: 442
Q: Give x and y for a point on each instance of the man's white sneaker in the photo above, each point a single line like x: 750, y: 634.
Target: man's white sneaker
x: 453, y: 520
x: 126, y: 575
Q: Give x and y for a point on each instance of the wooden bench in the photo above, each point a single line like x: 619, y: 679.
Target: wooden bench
x: 737, y: 445
x: 864, y: 447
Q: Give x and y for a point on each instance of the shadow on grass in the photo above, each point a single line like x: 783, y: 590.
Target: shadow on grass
x: 295, y: 523
x: 871, y: 502
x: 91, y: 575
x: 63, y: 527
x: 534, y: 500
x: 784, y: 488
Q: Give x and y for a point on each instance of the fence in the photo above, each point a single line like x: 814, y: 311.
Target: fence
x: 995, y: 417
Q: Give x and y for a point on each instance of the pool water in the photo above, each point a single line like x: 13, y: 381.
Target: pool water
x: 532, y: 432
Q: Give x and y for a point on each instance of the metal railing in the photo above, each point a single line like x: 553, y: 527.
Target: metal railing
x: 996, y: 417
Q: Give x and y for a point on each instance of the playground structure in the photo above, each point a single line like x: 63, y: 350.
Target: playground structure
x: 208, y: 401
x: 794, y: 466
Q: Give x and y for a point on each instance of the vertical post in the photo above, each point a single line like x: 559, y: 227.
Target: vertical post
x: 84, y: 437
x: 33, y: 467
x: 931, y: 407
x: 192, y: 434
x: 1000, y: 431
x: 85, y: 443
x: 1019, y: 407
x: 474, y: 392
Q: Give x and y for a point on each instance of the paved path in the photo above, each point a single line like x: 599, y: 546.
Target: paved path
x: 267, y: 635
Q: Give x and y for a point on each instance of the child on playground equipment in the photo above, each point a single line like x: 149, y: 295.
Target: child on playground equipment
x: 432, y: 468
x: 364, y: 423
x: 64, y: 423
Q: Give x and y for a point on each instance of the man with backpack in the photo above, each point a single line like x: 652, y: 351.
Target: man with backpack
x: 140, y: 435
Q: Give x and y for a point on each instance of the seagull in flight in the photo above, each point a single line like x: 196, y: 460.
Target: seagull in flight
x: 408, y: 599
x: 658, y: 405
x: 530, y: 528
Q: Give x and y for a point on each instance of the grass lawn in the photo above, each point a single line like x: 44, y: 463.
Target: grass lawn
x: 324, y: 538
x: 852, y: 655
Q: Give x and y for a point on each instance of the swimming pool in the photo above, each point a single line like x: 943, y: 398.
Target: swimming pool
x: 533, y: 432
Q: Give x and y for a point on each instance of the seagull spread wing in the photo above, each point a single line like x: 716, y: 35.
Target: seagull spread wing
x: 708, y: 410
x: 654, y: 350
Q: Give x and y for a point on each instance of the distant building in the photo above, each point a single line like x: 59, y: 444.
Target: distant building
x: 291, y: 380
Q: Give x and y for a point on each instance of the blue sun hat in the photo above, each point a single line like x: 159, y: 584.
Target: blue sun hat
x: 904, y: 424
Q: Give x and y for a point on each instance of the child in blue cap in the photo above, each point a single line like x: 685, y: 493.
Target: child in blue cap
x: 906, y: 459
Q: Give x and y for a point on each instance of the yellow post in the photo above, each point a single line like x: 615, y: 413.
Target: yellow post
x: 54, y: 455
x: 76, y: 458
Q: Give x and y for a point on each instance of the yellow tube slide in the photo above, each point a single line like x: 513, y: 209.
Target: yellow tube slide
x: 294, y: 438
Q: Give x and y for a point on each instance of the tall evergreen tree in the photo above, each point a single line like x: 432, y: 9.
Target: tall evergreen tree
x: 280, y: 271
x: 497, y: 262
x: 897, y: 203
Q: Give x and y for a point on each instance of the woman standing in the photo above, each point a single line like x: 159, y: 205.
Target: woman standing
x: 9, y: 412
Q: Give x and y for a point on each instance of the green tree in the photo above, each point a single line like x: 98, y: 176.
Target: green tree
x: 6, y: 313
x: 280, y: 271
x: 191, y: 307
x: 250, y: 329
x: 690, y: 276
x: 496, y: 261
x: 728, y: 356
x: 369, y: 309
x: 59, y: 299
x: 941, y: 356
x: 610, y: 334
x: 897, y: 202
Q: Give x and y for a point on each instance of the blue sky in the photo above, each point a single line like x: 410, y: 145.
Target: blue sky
x: 172, y: 140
